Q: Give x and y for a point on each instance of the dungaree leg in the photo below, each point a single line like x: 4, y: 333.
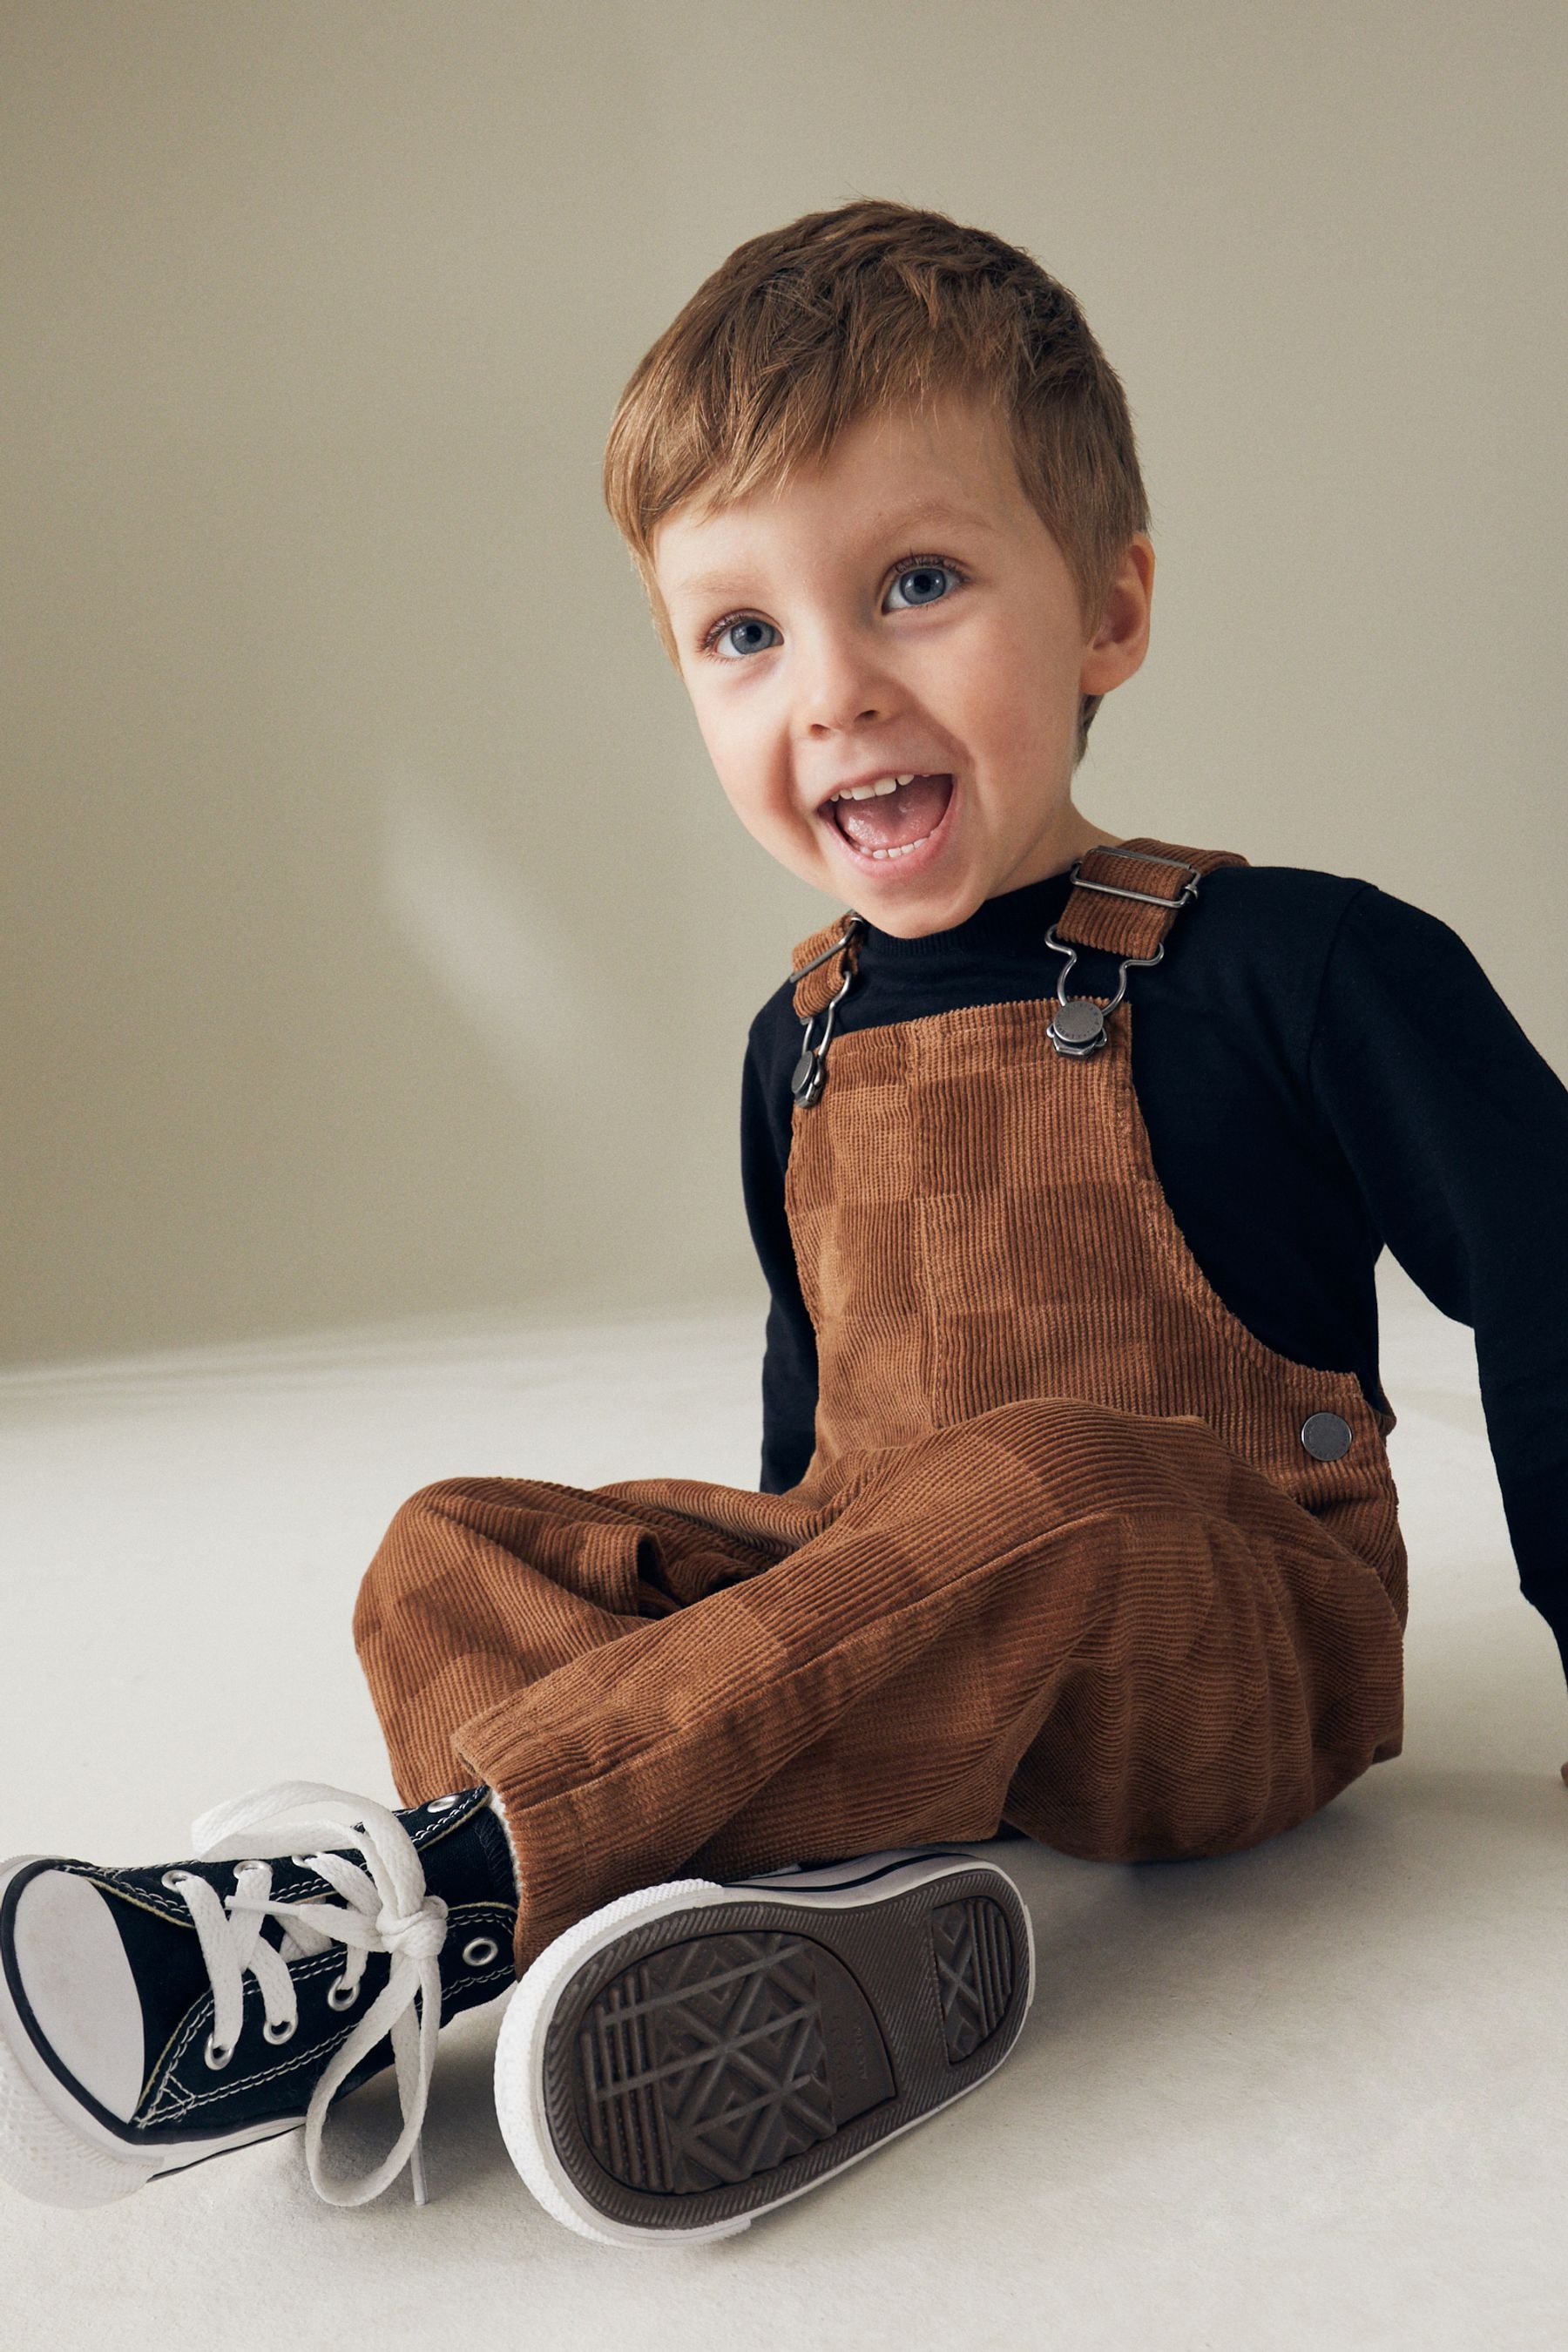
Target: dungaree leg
x: 1107, y: 1629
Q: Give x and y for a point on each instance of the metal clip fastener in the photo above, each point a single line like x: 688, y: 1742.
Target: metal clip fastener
x: 1078, y: 1025
x: 810, y: 1073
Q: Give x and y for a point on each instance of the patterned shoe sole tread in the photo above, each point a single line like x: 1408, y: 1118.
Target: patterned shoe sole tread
x: 714, y: 2060
x: 975, y: 1971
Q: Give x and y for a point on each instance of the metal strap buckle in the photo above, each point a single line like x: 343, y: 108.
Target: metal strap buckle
x: 810, y: 1073
x: 852, y: 923
x: 1146, y: 857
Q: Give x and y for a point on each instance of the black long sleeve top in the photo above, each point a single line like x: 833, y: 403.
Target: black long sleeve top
x: 1324, y: 1070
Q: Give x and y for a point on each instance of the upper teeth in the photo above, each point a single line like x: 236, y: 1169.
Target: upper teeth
x: 883, y: 785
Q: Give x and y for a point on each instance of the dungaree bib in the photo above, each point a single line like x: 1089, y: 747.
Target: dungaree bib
x: 976, y: 1219
x: 1075, y: 1552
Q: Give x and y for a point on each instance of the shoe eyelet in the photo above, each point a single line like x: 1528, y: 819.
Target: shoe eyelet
x: 443, y: 1804
x: 209, y: 2052
x: 300, y: 1861
x: 285, y: 2033
x: 480, y: 1952
x: 342, y: 1995
x: 175, y: 1879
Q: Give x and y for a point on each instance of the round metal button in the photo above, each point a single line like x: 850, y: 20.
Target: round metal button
x: 1078, y: 1026
x: 1326, y: 1435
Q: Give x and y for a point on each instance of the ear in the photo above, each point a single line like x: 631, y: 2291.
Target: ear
x: 1122, y: 639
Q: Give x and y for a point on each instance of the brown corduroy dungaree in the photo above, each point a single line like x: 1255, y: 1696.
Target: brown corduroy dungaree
x: 1063, y: 1556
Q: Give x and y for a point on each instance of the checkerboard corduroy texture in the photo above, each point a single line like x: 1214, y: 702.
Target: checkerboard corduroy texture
x: 1060, y: 1556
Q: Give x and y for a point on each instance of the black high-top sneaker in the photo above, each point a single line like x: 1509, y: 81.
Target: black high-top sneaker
x: 151, y: 2018
x: 696, y: 2053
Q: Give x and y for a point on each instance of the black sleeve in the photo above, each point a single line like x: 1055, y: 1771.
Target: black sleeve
x: 789, y: 1361
x: 1457, y: 1130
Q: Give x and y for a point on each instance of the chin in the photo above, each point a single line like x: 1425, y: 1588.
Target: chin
x: 918, y: 922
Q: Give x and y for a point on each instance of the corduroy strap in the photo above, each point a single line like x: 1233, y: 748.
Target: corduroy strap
x: 1090, y: 918
x: 1130, y: 926
x: 813, y: 992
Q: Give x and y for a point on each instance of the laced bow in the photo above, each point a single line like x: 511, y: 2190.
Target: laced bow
x: 385, y: 1909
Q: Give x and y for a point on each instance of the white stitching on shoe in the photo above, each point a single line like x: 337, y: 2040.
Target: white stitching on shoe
x: 173, y: 2099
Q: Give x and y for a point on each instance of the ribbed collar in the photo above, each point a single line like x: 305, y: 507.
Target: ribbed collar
x: 1016, y: 923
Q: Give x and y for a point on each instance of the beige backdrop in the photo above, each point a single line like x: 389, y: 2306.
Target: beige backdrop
x: 375, y: 940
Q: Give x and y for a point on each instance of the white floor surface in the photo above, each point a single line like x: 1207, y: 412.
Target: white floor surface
x: 1313, y: 2096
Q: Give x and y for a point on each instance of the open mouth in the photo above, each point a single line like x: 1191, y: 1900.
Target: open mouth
x: 893, y: 819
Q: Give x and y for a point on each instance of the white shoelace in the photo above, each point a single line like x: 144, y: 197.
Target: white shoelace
x: 385, y: 1909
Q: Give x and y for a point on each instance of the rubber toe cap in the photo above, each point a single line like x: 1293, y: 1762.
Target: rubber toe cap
x: 79, y: 1986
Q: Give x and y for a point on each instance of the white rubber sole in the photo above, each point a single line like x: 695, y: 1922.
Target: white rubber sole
x: 520, y: 2048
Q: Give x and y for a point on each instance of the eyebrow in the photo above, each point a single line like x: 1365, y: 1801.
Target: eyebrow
x: 894, y: 519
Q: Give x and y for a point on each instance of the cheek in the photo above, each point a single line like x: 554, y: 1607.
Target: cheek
x: 985, y: 697
x: 747, y: 760
x: 1012, y: 694
x: 726, y: 747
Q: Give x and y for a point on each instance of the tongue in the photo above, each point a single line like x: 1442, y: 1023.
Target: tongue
x: 893, y: 818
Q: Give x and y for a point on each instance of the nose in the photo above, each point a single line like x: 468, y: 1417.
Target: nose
x: 842, y: 684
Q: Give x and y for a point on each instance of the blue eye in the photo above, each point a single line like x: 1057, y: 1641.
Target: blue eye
x: 926, y: 584
x: 726, y: 630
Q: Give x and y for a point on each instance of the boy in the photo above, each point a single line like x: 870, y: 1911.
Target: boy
x: 1068, y: 1160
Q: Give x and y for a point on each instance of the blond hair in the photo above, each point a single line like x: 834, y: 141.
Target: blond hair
x: 872, y: 308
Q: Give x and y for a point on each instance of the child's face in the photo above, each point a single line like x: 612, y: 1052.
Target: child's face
x: 898, y: 611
